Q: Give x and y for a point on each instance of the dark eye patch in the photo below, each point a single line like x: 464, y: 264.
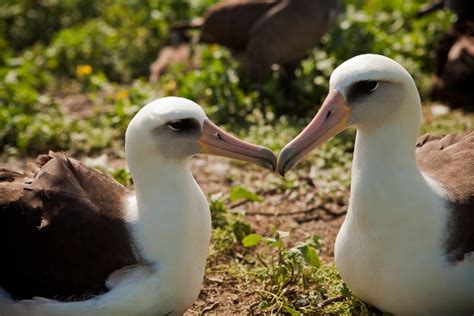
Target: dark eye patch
x: 176, y: 125
x: 361, y: 89
x: 183, y: 126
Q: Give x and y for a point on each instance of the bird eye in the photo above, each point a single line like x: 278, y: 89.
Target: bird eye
x: 361, y: 89
x: 370, y: 85
x: 184, y: 126
x: 175, y: 125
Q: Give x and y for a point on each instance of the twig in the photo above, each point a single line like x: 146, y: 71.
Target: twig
x: 259, y: 258
x: 215, y: 280
x: 331, y: 300
x: 273, y: 295
x: 318, y: 217
x: 280, y: 213
x: 251, y: 306
x: 237, y: 204
x: 210, y: 308
x: 308, y: 210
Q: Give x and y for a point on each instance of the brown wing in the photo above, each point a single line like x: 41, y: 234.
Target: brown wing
x: 450, y: 161
x: 229, y: 22
x: 286, y: 33
x: 61, y: 230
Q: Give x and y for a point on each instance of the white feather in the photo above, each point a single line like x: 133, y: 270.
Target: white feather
x: 389, y: 250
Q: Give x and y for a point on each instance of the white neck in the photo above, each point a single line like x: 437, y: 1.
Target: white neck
x: 173, y: 228
x: 173, y: 212
x: 391, y: 217
x: 388, y: 190
x: 163, y: 194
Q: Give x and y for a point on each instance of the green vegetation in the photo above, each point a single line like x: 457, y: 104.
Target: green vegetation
x: 73, y: 73
x: 104, y: 49
x: 286, y: 279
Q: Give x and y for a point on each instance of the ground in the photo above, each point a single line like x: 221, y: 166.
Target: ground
x: 294, y: 211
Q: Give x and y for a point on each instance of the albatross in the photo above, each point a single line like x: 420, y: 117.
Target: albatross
x: 407, y: 243
x: 75, y: 242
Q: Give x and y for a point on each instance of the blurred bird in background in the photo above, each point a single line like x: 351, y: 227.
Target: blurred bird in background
x: 177, y: 50
x: 261, y: 33
x: 454, y: 56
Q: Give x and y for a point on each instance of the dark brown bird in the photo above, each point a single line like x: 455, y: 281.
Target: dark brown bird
x: 454, y: 66
x: 464, y: 9
x: 454, y: 56
x: 177, y: 51
x: 265, y: 32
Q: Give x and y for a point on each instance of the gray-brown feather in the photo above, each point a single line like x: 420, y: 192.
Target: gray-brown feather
x: 263, y: 32
x: 62, y: 230
x: 287, y: 31
x: 228, y: 23
x: 450, y: 161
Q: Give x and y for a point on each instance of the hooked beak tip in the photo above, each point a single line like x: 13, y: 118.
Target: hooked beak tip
x: 285, y: 161
x: 270, y: 161
x: 331, y: 118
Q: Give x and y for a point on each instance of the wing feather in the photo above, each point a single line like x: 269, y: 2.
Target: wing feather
x: 62, y: 229
x: 450, y: 161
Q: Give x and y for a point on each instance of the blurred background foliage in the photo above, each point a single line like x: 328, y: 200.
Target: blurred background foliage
x: 51, y: 50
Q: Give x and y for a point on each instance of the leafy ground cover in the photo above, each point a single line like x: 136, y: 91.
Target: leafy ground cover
x: 72, y: 74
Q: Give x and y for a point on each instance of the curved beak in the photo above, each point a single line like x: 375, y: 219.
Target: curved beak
x: 332, y: 118
x: 215, y: 141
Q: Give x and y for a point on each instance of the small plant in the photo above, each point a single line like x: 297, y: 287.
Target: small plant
x: 287, y: 279
x: 123, y: 177
x: 229, y: 229
x: 294, y: 280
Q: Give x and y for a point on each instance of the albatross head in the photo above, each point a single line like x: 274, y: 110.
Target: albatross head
x: 367, y: 91
x: 173, y: 129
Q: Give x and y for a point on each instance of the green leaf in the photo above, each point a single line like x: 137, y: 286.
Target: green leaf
x: 238, y: 193
x: 310, y: 255
x: 292, y: 311
x: 280, y: 275
x: 122, y: 176
x: 251, y: 240
x: 240, y: 229
x: 346, y: 292
x: 218, y: 213
x: 274, y: 243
